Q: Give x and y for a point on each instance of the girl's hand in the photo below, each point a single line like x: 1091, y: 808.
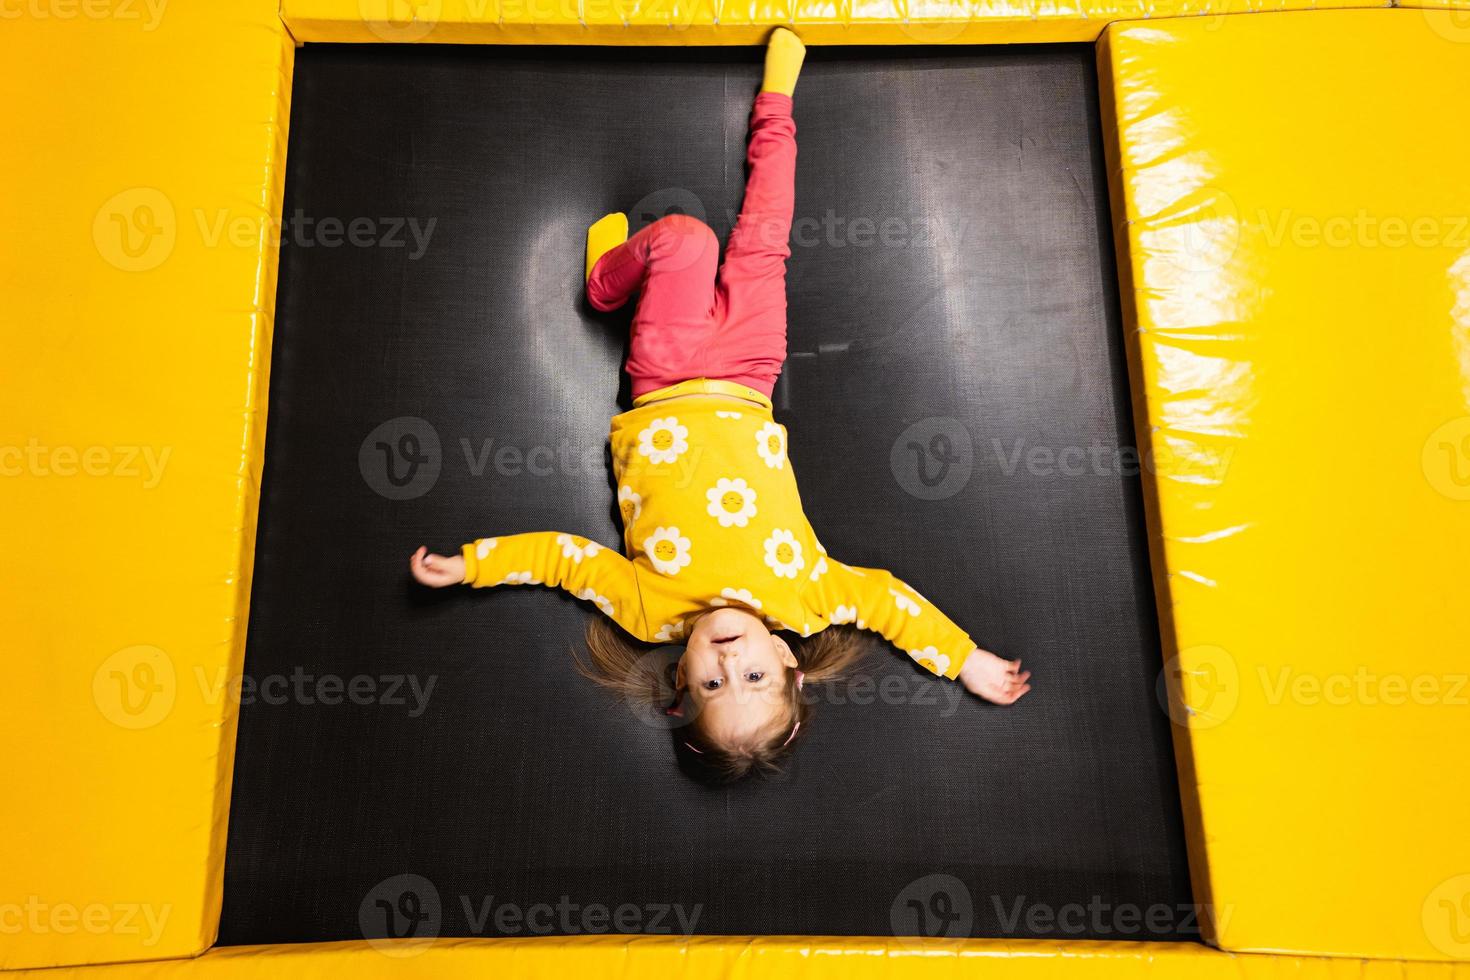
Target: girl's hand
x: 436, y: 570
x: 987, y: 676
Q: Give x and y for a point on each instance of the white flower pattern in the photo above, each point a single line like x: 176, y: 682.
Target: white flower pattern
x: 521, y: 578
x: 783, y: 554
x: 904, y: 602
x: 664, y: 441
x: 931, y: 659
x: 630, y: 504
x: 570, y: 548
x: 741, y: 597
x: 770, y: 444
x: 668, y: 550
x: 669, y: 632
x: 731, y: 502
x: 484, y: 546
x: 600, y: 601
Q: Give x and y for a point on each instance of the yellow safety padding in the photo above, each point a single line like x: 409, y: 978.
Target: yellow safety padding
x: 1294, y: 235
x: 769, y: 958
x: 1447, y: 19
x: 142, y: 174
x: 692, y: 22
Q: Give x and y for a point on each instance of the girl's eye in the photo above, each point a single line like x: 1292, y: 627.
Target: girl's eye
x: 754, y: 676
x: 714, y: 684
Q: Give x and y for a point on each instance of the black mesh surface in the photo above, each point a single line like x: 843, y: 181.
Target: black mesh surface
x: 956, y: 395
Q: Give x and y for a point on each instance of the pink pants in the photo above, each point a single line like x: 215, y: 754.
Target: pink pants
x: 691, y: 323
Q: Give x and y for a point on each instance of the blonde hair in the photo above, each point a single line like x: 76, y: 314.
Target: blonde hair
x: 624, y: 666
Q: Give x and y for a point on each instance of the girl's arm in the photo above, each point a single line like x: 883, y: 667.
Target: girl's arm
x: 582, y: 567
x: 876, y: 599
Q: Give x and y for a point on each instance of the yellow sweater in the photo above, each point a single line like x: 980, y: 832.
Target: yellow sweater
x: 712, y: 517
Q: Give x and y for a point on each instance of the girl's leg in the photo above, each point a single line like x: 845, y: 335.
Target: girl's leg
x: 685, y: 327
x: 671, y: 264
x: 750, y: 301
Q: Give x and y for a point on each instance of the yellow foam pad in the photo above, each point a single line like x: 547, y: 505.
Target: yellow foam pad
x: 767, y: 957
x: 1296, y: 262
x: 658, y: 22
x: 133, y: 363
x: 142, y: 188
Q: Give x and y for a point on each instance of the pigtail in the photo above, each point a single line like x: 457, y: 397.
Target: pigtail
x: 623, y: 665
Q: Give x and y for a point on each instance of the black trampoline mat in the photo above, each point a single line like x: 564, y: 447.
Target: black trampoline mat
x: 952, y: 276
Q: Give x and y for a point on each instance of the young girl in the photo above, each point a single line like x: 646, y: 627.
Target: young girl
x: 720, y: 551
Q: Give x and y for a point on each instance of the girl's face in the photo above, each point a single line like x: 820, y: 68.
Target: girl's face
x: 734, y: 669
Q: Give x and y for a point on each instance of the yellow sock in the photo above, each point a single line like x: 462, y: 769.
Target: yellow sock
x: 606, y: 233
x: 784, y: 54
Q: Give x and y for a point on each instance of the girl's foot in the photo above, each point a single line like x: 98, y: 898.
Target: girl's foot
x: 784, y: 54
x: 606, y: 234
